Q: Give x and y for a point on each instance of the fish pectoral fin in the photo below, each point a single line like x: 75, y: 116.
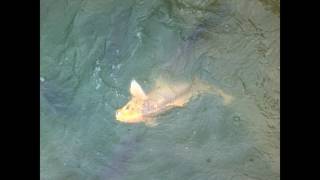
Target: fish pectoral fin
x: 151, y: 122
x: 178, y: 102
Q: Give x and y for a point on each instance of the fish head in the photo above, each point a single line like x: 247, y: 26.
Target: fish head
x: 132, y: 111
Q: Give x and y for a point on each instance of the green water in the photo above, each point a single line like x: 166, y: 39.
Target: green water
x: 90, y: 51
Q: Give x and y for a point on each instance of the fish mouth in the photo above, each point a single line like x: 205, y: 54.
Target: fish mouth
x: 131, y: 120
x: 121, y: 118
x: 118, y: 117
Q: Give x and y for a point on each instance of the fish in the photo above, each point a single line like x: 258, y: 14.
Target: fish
x: 165, y: 95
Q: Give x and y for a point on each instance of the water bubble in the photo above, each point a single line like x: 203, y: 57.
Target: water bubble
x: 98, y: 86
x: 236, y: 118
x: 227, y: 28
x: 139, y: 35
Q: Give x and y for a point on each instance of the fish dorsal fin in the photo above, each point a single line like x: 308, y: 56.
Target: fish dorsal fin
x: 160, y: 82
x: 136, y: 90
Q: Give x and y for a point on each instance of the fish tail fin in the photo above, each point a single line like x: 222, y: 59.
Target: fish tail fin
x: 201, y: 86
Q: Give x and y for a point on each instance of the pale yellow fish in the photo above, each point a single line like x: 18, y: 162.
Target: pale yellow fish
x: 144, y: 107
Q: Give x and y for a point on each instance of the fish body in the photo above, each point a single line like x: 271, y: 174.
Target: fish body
x: 164, y: 96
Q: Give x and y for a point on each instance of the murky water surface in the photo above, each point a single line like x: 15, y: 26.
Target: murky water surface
x: 90, y: 51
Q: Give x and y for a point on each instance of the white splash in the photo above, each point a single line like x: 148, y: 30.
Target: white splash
x: 96, y: 76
